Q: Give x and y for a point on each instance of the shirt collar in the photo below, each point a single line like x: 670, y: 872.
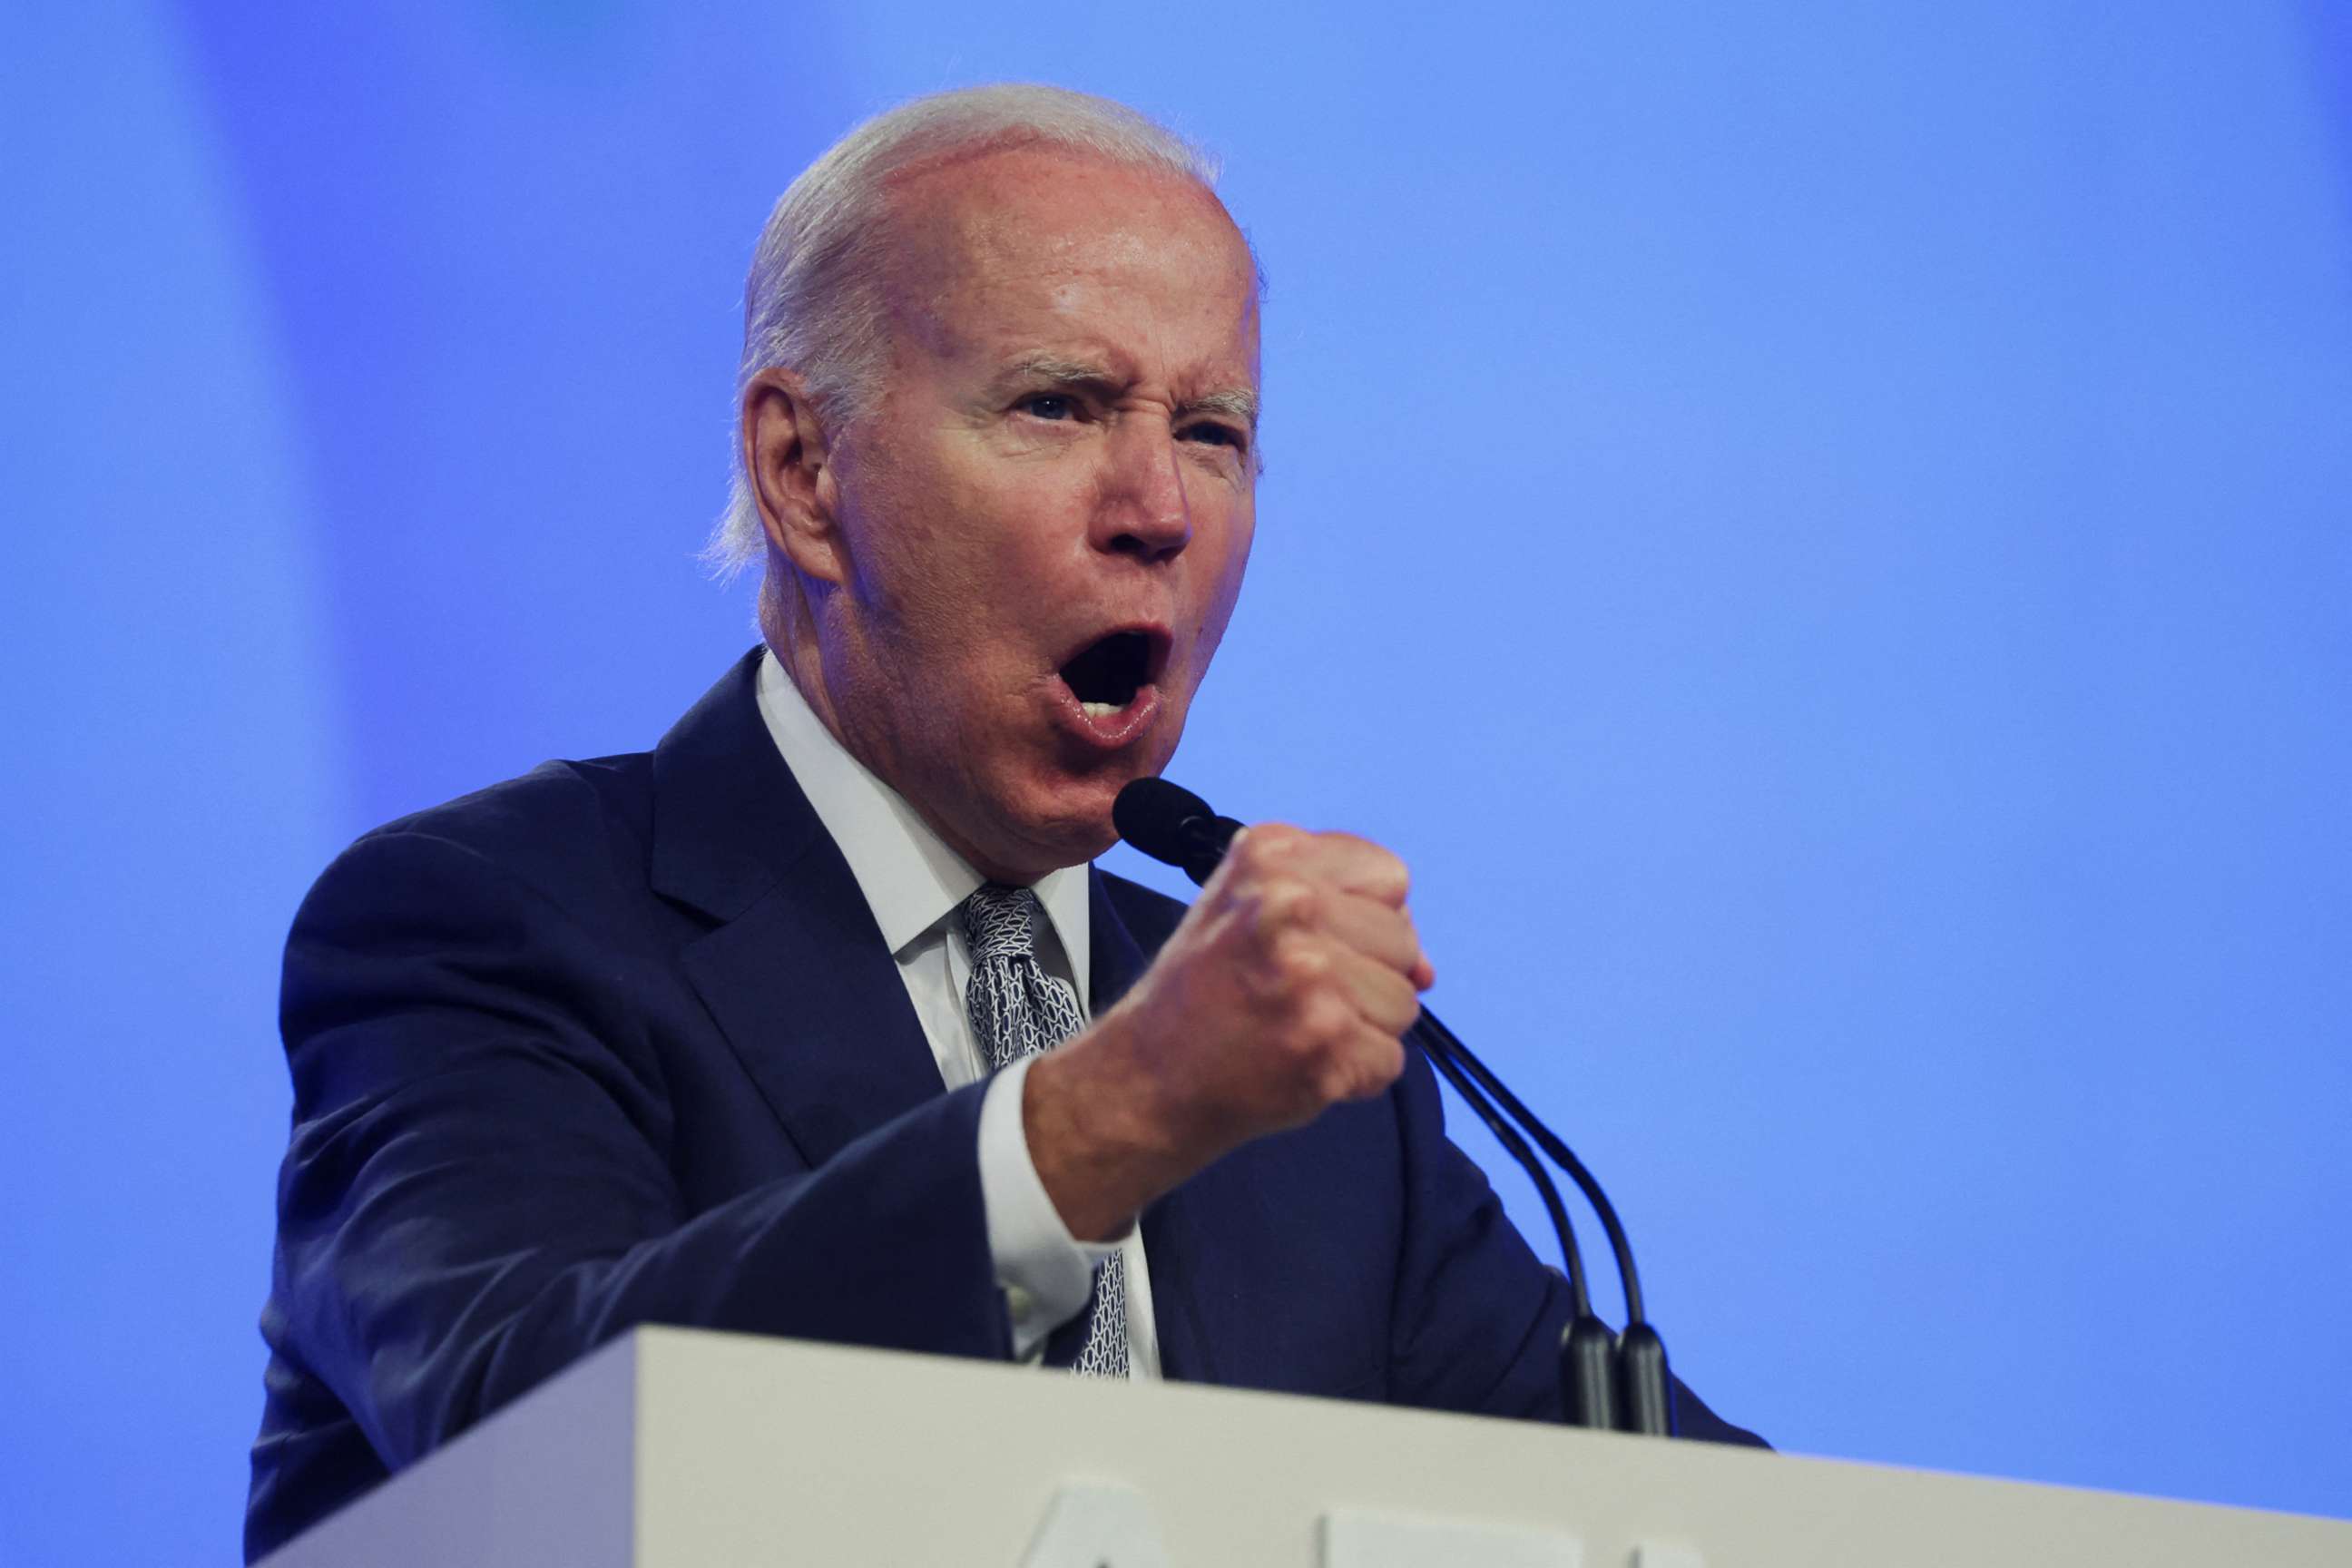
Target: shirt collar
x: 911, y: 880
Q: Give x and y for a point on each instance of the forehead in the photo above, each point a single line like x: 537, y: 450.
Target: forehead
x: 998, y: 249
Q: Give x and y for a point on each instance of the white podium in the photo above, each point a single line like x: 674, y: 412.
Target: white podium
x: 679, y: 1449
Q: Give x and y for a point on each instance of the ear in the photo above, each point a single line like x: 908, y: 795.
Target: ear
x: 785, y: 452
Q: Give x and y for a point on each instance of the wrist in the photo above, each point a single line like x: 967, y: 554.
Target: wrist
x: 1100, y: 1151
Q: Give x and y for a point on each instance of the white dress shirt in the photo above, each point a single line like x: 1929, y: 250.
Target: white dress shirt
x: 914, y: 884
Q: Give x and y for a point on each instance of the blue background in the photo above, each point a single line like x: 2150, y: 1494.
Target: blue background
x: 1819, y: 529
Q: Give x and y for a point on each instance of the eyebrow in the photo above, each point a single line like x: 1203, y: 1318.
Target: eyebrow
x: 1233, y: 403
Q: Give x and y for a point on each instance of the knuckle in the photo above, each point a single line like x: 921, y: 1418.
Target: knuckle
x: 1396, y: 1014
x: 1379, y: 871
x: 1324, y: 1022
x: 1397, y: 936
x: 1282, y: 970
x: 1381, y: 868
x: 1267, y: 844
x: 1292, y: 901
x: 1304, y: 965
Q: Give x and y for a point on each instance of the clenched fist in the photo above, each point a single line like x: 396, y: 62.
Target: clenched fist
x: 1284, y: 992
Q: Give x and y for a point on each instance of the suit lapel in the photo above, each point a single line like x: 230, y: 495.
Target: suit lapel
x: 794, y: 971
x: 1115, y: 962
x: 1170, y: 1242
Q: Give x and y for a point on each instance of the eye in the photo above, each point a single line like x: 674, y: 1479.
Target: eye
x: 1051, y: 406
x: 1217, y: 435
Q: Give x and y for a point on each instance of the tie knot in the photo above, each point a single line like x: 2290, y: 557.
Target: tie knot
x: 999, y: 922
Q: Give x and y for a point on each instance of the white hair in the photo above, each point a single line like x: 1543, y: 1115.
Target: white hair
x: 812, y: 302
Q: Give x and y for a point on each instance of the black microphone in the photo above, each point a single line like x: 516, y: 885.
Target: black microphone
x: 1622, y: 1384
x: 1173, y: 825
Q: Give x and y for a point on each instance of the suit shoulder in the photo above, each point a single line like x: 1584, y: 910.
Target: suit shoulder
x: 560, y: 827
x: 555, y: 797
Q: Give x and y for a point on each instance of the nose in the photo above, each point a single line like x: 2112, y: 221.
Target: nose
x: 1143, y: 510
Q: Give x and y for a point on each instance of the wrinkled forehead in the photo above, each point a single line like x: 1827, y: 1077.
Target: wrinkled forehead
x: 1020, y: 235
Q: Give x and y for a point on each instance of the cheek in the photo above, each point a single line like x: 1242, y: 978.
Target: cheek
x: 969, y: 569
x: 1226, y: 586
x: 1237, y: 558
x: 906, y: 539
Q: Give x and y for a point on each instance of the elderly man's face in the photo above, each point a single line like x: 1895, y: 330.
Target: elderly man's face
x: 1043, y: 523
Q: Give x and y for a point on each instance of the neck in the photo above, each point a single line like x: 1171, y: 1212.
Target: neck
x: 790, y: 635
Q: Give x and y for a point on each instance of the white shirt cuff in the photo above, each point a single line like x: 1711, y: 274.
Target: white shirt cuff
x: 1045, y: 1273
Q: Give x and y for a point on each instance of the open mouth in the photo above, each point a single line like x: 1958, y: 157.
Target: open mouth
x: 1106, y: 673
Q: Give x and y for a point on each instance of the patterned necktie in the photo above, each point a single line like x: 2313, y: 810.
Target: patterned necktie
x: 1017, y: 1010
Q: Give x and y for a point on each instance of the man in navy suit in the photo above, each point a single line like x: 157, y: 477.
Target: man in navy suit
x: 816, y: 1020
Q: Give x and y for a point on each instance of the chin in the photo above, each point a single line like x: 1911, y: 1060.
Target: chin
x: 1067, y: 824
x: 1052, y: 808
x: 1075, y: 835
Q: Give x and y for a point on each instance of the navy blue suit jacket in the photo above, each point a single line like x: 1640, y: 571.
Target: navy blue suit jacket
x: 618, y: 1043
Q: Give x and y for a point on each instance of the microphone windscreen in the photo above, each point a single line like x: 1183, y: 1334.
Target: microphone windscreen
x: 1151, y: 813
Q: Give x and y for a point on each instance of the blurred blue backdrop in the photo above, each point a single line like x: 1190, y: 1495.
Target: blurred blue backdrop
x: 1819, y: 529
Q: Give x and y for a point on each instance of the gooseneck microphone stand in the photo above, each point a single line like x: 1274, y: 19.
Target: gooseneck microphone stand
x: 1607, y: 1383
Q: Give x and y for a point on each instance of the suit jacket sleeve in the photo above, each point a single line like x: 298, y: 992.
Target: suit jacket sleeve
x: 478, y: 1190
x: 1477, y: 1319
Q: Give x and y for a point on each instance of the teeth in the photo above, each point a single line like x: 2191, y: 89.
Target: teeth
x: 1100, y: 709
